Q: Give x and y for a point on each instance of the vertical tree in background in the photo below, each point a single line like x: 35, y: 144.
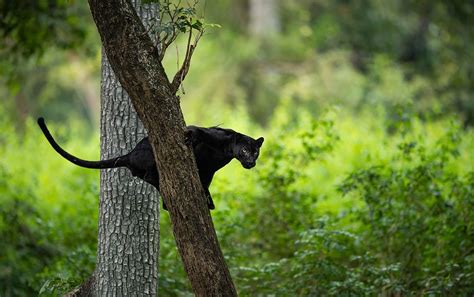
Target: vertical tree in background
x: 128, y: 240
x: 264, y: 17
x: 137, y: 64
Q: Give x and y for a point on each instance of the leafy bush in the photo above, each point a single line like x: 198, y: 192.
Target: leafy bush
x: 419, y: 215
x: 46, y: 234
x: 404, y: 227
x: 338, y: 205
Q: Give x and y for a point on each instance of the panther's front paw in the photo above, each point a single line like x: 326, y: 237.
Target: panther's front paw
x: 210, y: 204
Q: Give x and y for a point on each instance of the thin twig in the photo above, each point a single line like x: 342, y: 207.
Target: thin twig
x: 183, y: 71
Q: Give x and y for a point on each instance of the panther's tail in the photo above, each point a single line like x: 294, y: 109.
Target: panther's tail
x: 121, y: 161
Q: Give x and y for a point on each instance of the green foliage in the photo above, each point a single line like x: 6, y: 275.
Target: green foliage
x: 345, y: 206
x: 30, y: 29
x: 48, y: 223
x: 27, y: 28
x: 328, y: 49
x: 419, y: 215
x: 338, y: 205
x: 174, y: 17
x: 365, y: 182
x: 352, y: 53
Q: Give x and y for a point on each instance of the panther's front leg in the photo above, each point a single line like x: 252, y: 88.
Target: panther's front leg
x: 190, y: 137
x: 210, y: 203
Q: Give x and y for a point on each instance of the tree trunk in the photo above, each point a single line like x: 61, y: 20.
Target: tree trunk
x: 264, y: 17
x: 128, y: 238
x: 135, y: 61
x: 128, y: 241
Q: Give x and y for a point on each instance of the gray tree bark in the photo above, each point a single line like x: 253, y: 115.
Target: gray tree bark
x: 264, y: 17
x: 136, y: 62
x: 128, y: 240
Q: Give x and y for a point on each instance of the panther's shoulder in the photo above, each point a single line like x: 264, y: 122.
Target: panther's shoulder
x: 223, y: 131
x: 216, y: 131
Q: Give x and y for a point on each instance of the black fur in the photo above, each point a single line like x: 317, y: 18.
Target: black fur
x: 213, y: 149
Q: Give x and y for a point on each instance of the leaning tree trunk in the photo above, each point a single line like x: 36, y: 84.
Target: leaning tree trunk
x: 135, y: 61
x: 128, y: 241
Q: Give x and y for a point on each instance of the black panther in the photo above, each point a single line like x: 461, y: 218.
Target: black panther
x: 213, y: 148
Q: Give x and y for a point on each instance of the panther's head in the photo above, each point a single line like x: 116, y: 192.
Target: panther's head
x: 246, y: 150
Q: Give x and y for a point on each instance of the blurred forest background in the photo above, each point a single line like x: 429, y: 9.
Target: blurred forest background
x: 365, y: 182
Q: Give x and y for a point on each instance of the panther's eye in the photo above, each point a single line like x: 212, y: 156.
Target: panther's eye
x: 245, y: 151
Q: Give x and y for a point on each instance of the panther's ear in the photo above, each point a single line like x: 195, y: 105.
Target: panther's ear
x: 260, y: 141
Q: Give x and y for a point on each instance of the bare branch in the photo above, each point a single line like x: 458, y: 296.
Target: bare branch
x: 158, y: 31
x: 163, y: 47
x: 183, y: 71
x: 167, y: 41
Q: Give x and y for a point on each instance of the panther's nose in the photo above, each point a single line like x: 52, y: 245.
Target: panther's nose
x: 249, y: 165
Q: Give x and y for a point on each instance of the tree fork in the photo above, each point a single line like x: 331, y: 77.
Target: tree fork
x: 136, y: 62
